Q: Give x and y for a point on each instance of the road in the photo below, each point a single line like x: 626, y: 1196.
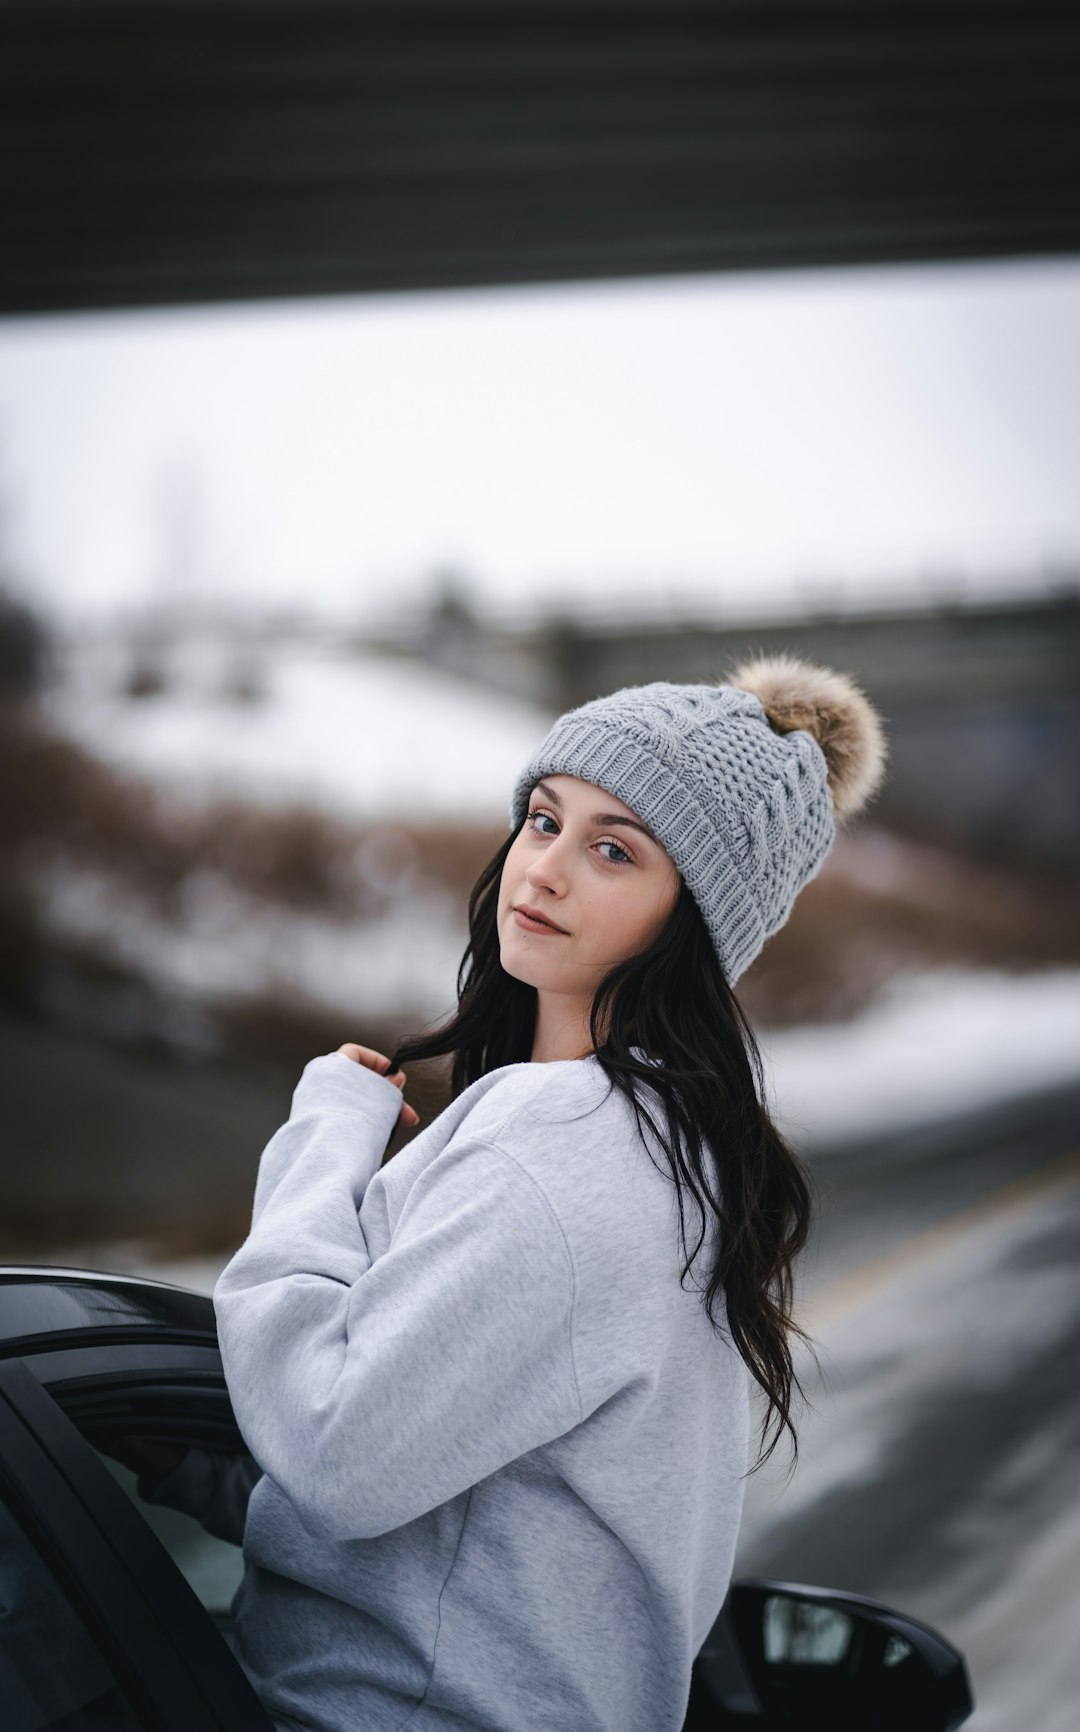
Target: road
x: 940, y: 1464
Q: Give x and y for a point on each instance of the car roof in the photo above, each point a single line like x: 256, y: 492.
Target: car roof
x: 39, y: 1301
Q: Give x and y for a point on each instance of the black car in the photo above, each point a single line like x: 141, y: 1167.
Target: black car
x: 114, y: 1611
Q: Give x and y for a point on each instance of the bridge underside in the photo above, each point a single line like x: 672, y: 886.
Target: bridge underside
x: 207, y: 150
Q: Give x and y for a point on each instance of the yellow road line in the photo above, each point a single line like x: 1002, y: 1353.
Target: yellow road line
x: 1057, y: 1179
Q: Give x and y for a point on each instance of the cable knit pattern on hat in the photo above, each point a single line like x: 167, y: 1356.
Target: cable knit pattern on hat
x: 745, y: 812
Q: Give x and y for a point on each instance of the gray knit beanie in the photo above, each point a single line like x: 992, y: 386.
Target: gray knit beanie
x: 740, y: 783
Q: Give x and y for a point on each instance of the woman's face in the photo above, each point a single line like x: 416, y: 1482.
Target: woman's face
x: 588, y: 865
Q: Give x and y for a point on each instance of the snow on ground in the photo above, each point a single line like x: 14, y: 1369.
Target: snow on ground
x: 404, y: 964
x: 933, y: 1045
x: 365, y: 736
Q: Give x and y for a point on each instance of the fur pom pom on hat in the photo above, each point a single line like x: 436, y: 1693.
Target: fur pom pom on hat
x: 742, y: 783
x: 830, y: 706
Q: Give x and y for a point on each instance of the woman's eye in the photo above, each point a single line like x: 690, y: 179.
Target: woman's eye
x: 621, y: 852
x: 538, y: 818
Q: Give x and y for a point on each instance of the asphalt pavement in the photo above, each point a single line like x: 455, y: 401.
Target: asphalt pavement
x: 940, y: 1457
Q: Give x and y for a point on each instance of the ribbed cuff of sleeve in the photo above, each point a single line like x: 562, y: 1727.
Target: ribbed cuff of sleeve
x: 335, y: 1083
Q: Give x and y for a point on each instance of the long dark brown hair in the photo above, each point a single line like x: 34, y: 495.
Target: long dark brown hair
x: 673, y: 1001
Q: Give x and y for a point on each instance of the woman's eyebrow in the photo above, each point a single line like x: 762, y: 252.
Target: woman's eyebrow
x: 598, y: 817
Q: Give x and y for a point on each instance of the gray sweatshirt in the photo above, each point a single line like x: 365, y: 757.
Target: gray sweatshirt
x: 502, y: 1448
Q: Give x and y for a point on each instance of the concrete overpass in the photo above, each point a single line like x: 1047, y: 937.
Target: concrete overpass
x: 208, y: 150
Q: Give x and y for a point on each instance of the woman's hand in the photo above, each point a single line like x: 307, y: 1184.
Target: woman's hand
x: 378, y: 1061
x: 152, y: 1460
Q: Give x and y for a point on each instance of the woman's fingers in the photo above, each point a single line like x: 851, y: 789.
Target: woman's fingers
x: 366, y: 1055
x: 378, y: 1061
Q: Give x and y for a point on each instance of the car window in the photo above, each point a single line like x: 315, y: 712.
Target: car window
x: 211, y: 1566
x: 53, y: 1675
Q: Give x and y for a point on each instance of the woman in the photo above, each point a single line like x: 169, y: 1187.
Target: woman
x: 497, y: 1386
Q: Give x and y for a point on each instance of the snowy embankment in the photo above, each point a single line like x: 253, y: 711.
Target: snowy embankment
x: 370, y: 739
x: 361, y: 735
x: 932, y: 1046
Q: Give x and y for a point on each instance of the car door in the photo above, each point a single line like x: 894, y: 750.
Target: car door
x: 115, y: 1610
x: 114, y: 1613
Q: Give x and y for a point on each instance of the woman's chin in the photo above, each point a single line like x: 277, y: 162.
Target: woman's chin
x: 512, y: 964
x: 523, y: 967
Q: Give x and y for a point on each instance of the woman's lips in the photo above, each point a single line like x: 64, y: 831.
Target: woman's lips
x: 531, y: 923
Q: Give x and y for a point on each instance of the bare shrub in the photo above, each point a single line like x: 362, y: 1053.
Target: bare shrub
x: 57, y: 799
x: 883, y: 906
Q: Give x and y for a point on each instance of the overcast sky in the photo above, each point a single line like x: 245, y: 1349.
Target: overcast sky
x: 727, y: 440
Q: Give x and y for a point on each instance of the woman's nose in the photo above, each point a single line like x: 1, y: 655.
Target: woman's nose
x: 547, y: 872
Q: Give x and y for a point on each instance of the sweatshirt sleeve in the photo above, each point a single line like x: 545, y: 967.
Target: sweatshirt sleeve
x: 371, y: 1391
x: 355, y: 1109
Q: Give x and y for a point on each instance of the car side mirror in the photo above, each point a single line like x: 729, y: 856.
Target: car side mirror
x: 815, y: 1657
